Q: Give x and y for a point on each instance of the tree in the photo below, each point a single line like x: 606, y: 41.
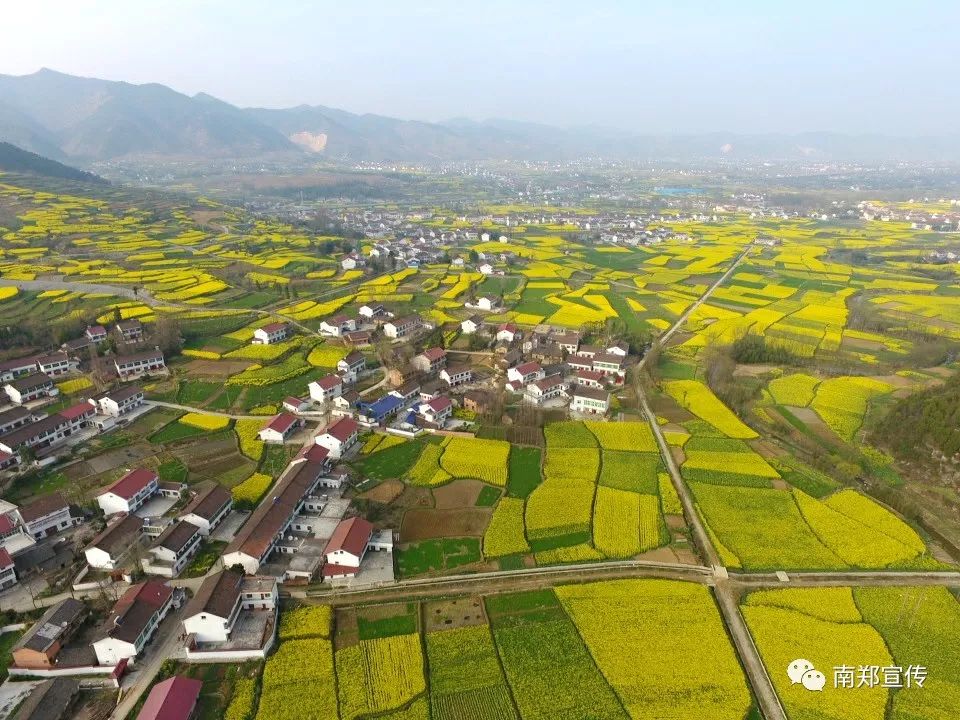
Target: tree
x: 166, y: 334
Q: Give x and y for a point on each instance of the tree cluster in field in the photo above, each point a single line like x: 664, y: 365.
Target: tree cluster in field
x: 925, y: 421
x: 754, y: 349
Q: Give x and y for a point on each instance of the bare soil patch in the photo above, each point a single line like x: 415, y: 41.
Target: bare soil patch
x: 216, y: 368
x: 385, y: 492
x: 675, y: 522
x: 458, y: 494
x: 456, y: 613
x: 426, y: 524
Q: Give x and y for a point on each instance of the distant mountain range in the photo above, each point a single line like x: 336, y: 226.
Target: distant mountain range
x: 14, y: 159
x: 85, y: 120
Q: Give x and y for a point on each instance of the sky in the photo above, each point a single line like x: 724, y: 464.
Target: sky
x: 673, y: 66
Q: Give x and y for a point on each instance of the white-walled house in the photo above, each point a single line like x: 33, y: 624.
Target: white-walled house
x: 212, y: 613
x: 471, y: 325
x: 437, y: 410
x: 326, y: 389
x: 117, y: 403
x: 271, y: 333
x: 29, y: 388
x: 456, y: 375
x: 402, y: 327
x: 108, y: 549
x: 279, y: 428
x: 507, y: 332
x: 132, y: 622
x: 338, y: 325
x: 348, y: 544
x: 339, y: 437
x: 131, y: 366
x: 208, y: 508
x: 590, y: 400
x: 129, y: 492
x: 526, y: 373
x: 173, y: 549
x: 47, y: 515
x: 486, y: 268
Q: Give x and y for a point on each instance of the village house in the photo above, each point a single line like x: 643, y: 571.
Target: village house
x: 267, y: 525
x: 345, y: 403
x: 208, y: 508
x: 130, y: 366
x: 477, y: 401
x: 271, y: 333
x: 612, y: 365
x: 579, y: 361
x: 349, y: 544
x: 212, y: 614
x: 591, y: 379
x: 339, y: 437
x: 17, y: 417
x: 431, y: 360
x: 568, y: 341
x: 338, y: 325
x: 295, y: 405
x: 280, y: 428
x: 173, y: 549
x: 380, y: 410
x: 108, y: 549
x: 486, y: 303
x: 456, y: 375
x: 471, y: 325
x: 47, y: 515
x: 11, y: 369
x: 118, y: 403
x: 130, y: 492
x: 132, y: 622
x: 130, y: 330
x: 437, y: 411
x: 45, y: 432
x: 546, y: 389
x: 402, y: 327
x: 56, y: 363
x: 401, y: 375
x: 325, y: 389
x: 175, y: 698
x: 590, y: 400
x: 8, y: 570
x: 373, y: 312
x: 53, y: 699
x: 407, y: 391
x: 351, y: 366
x: 507, y: 332
x: 526, y: 373
x: 358, y: 338
x: 619, y: 348
x: 486, y: 268
x: 29, y: 388
x: 96, y: 333
x: 39, y: 646
x: 78, y: 416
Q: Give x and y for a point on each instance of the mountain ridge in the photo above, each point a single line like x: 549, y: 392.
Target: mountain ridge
x: 86, y: 120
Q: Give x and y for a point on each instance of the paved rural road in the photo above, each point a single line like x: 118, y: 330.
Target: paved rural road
x: 202, y: 411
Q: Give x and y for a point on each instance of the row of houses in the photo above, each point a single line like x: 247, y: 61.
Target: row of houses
x: 22, y: 428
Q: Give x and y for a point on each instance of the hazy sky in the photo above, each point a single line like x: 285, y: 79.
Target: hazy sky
x: 665, y: 66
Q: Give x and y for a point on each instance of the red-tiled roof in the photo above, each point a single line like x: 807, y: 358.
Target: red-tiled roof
x: 440, y: 403
x: 507, y: 326
x: 549, y: 383
x: 435, y: 353
x: 528, y: 368
x: 350, y: 536
x: 342, y: 429
x: 334, y: 570
x: 314, y: 453
x: 132, y: 483
x: 172, y: 699
x: 77, y: 411
x: 282, y: 423
x: 294, y: 401
x: 590, y: 375
x: 274, y: 327
x: 5, y: 559
x: 328, y: 382
x: 6, y: 524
